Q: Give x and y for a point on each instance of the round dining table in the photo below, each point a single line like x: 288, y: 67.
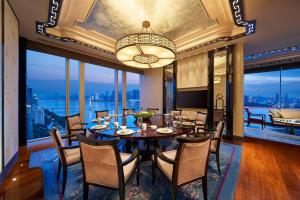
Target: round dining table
x: 149, y: 136
x: 139, y: 134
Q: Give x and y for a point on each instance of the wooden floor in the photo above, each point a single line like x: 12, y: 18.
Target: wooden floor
x: 268, y: 171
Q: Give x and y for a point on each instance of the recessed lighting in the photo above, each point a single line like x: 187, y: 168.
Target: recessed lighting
x: 21, y: 165
x: 14, y: 179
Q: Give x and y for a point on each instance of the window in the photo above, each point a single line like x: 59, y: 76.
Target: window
x: 120, y: 90
x: 272, y: 90
x: 46, y: 97
x: 99, y: 90
x: 133, y: 91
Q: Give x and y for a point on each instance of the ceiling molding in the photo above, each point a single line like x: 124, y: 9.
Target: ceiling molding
x: 53, y: 16
x: 225, y: 33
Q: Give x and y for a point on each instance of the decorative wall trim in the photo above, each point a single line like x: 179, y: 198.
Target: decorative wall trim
x: 53, y: 16
x: 275, y: 52
x: 237, y: 10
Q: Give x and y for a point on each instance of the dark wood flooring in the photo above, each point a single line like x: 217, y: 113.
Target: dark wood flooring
x: 268, y: 171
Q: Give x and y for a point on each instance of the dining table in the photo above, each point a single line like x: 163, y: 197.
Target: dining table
x: 149, y: 135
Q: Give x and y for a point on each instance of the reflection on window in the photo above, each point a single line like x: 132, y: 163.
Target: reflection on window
x: 290, y: 88
x: 133, y: 91
x: 45, y: 100
x: 99, y: 90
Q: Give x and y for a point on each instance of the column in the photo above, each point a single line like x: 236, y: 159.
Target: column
x: 238, y: 90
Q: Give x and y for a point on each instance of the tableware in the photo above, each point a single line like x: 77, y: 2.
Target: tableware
x: 164, y: 130
x: 153, y: 127
x: 143, y: 115
x: 116, y: 124
x: 144, y: 126
x: 99, y: 120
x: 175, y: 123
x: 139, y: 121
x: 98, y: 127
x: 125, y: 132
x: 188, y: 124
x: 95, y: 120
x: 123, y: 127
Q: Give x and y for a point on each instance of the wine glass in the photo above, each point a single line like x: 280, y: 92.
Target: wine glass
x: 139, y: 121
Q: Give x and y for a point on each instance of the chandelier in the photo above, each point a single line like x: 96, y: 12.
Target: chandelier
x: 145, y: 49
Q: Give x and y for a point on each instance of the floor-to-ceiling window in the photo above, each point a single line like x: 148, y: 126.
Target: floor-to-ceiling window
x: 133, y: 90
x: 99, y: 90
x: 272, y: 90
x: 45, y: 98
x: 120, y: 90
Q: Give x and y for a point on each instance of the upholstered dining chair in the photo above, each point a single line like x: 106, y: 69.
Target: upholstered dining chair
x: 104, y: 166
x: 68, y: 155
x: 127, y: 111
x: 186, y: 164
x: 216, y: 141
x: 101, y: 113
x: 175, y: 113
x: 201, y: 122
x: 75, y: 126
x: 153, y: 110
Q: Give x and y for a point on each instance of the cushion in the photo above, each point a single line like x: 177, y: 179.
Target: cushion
x: 130, y: 167
x: 275, y: 113
x: 72, y: 155
x: 165, y: 167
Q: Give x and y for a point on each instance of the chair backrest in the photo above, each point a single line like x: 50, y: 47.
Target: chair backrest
x: 201, y: 117
x: 175, y: 113
x: 101, y: 113
x: 101, y: 162
x: 153, y: 110
x: 218, y: 134
x: 58, y: 141
x: 127, y: 111
x: 191, y: 159
x: 73, y: 122
x: 248, y: 112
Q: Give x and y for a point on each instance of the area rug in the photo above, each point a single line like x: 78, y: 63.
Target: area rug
x: 219, y: 187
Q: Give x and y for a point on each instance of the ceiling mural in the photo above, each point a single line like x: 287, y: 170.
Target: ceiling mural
x: 172, y: 18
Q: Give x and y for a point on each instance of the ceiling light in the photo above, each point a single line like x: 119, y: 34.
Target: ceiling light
x: 145, y: 49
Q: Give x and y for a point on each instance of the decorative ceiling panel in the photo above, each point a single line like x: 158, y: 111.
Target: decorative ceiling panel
x: 173, y: 18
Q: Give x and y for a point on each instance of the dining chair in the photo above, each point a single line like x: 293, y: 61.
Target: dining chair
x: 201, y: 122
x: 153, y: 110
x: 215, y: 143
x: 175, y: 113
x: 186, y: 164
x: 75, y: 126
x: 101, y: 113
x: 68, y: 155
x: 104, y: 166
x: 127, y: 111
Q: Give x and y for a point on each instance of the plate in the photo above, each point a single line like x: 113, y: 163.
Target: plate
x: 188, y: 124
x: 164, y: 130
x: 98, y: 127
x: 125, y: 132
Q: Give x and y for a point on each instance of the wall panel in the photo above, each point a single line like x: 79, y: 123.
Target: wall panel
x: 11, y: 76
x: 192, y: 72
x: 151, y: 89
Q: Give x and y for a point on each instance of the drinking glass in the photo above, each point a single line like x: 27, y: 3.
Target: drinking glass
x: 139, y: 121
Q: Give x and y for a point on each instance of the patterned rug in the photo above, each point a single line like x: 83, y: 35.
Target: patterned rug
x: 219, y: 187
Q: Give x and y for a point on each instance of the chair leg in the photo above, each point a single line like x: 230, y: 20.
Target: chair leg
x: 218, y: 162
x: 138, y: 174
x: 122, y: 193
x: 85, y: 191
x: 153, y: 172
x: 65, y: 174
x: 174, y: 192
x: 58, y: 169
x: 204, y: 187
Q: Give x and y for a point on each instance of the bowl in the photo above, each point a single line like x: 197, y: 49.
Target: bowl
x: 153, y: 127
x: 123, y: 127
